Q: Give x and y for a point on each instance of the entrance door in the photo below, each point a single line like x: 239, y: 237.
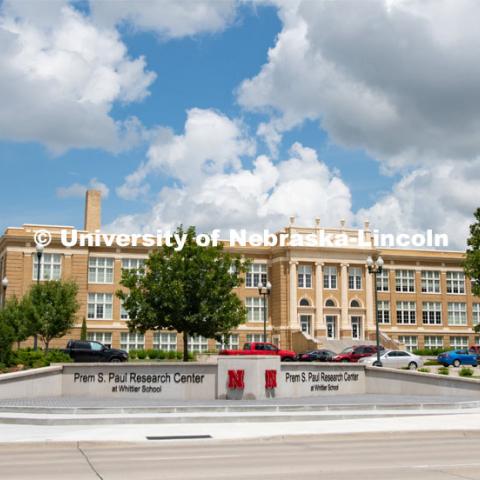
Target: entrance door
x: 331, y: 321
x: 306, y: 323
x: 356, y: 328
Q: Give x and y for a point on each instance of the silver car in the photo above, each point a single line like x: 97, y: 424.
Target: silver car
x: 394, y: 359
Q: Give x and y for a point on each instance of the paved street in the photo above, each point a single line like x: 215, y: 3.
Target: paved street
x: 438, y: 455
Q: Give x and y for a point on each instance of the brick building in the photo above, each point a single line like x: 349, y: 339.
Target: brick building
x: 319, y: 294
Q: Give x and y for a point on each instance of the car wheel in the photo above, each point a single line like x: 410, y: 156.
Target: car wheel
x: 475, y: 365
x: 287, y: 359
x: 456, y: 363
x: 412, y: 366
x: 115, y: 360
x: 376, y: 363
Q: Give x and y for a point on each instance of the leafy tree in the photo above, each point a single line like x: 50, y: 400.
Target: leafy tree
x: 15, y: 314
x: 51, y: 307
x: 189, y: 290
x: 7, y: 337
x: 83, y: 331
x: 471, y: 264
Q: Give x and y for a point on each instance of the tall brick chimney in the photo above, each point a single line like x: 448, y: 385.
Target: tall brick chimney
x: 93, y: 210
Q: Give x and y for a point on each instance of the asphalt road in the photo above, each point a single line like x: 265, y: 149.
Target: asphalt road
x: 395, y: 456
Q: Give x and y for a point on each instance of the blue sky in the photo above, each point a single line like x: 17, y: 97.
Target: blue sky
x: 320, y: 97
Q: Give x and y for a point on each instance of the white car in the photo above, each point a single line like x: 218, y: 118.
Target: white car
x: 394, y: 359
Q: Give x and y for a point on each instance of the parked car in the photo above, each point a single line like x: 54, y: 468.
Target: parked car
x: 457, y: 358
x: 262, y: 348
x: 475, y: 349
x: 316, y: 356
x: 394, y: 359
x: 354, y: 354
x: 90, y: 351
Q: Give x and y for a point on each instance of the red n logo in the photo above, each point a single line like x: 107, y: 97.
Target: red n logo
x: 270, y: 379
x: 236, y: 379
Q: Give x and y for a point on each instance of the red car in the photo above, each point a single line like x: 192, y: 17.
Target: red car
x: 262, y: 348
x: 354, y: 354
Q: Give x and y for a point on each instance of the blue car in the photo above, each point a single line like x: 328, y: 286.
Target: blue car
x: 457, y: 358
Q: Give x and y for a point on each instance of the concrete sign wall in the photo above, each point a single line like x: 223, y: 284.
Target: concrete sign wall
x: 168, y: 381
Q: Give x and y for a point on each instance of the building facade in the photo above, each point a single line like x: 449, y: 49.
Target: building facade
x: 319, y: 294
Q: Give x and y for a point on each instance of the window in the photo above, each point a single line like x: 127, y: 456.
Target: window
x: 476, y: 313
x: 432, y: 313
x: 383, y: 311
x: 166, y: 341
x: 257, y: 273
x: 354, y: 304
x: 132, y: 341
x: 255, y: 337
x: 382, y: 281
x: 457, y: 313
x: 229, y: 342
x: 255, y: 309
x: 405, y: 280
x: 430, y: 281
x: 410, y: 342
x: 100, y: 270
x: 100, y: 306
x: 330, y: 277
x: 433, y: 341
x: 50, y: 266
x: 355, y: 278
x: 330, y: 303
x: 459, y: 342
x: 123, y: 313
x: 198, y: 344
x: 304, y: 302
x: 132, y: 263
x: 102, y: 337
x: 406, y: 313
x: 455, y: 282
x: 304, y: 276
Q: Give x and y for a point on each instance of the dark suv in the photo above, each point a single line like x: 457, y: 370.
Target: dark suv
x: 354, y: 354
x: 89, y: 351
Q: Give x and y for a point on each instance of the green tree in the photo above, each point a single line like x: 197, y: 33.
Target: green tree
x: 7, y: 337
x: 51, y: 307
x: 471, y: 264
x: 189, y: 290
x: 83, y: 331
x: 15, y: 314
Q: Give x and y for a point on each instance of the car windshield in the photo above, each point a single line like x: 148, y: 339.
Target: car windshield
x: 347, y: 350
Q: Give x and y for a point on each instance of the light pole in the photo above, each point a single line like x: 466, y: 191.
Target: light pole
x: 4, y: 288
x: 264, y: 290
x: 39, y: 262
x: 374, y: 267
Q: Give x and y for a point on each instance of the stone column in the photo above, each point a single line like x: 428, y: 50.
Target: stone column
x: 344, y: 324
x: 319, y: 320
x: 293, y: 320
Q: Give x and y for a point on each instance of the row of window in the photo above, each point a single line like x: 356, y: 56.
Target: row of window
x: 101, y: 269
x: 167, y: 341
x: 435, y: 341
x: 406, y: 313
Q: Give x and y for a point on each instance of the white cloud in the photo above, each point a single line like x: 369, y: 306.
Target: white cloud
x: 398, y: 79
x: 79, y: 190
x: 61, y: 75
x: 168, y: 18
x: 215, y: 189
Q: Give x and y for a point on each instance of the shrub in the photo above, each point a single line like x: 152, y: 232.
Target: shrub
x: 162, y: 355
x: 141, y: 354
x: 57, y: 356
x: 172, y: 355
x: 36, y: 359
x: 7, y: 336
x: 3, y: 367
x: 430, y: 351
x: 424, y: 370
x: 179, y: 355
x: 465, y: 372
x: 132, y: 354
x: 431, y: 363
x: 191, y: 356
x: 152, y: 354
x: 443, y: 371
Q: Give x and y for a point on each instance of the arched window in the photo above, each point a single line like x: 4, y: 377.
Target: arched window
x: 304, y: 302
x: 330, y: 303
x: 355, y: 304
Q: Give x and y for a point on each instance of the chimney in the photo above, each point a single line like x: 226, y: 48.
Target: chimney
x: 93, y: 210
